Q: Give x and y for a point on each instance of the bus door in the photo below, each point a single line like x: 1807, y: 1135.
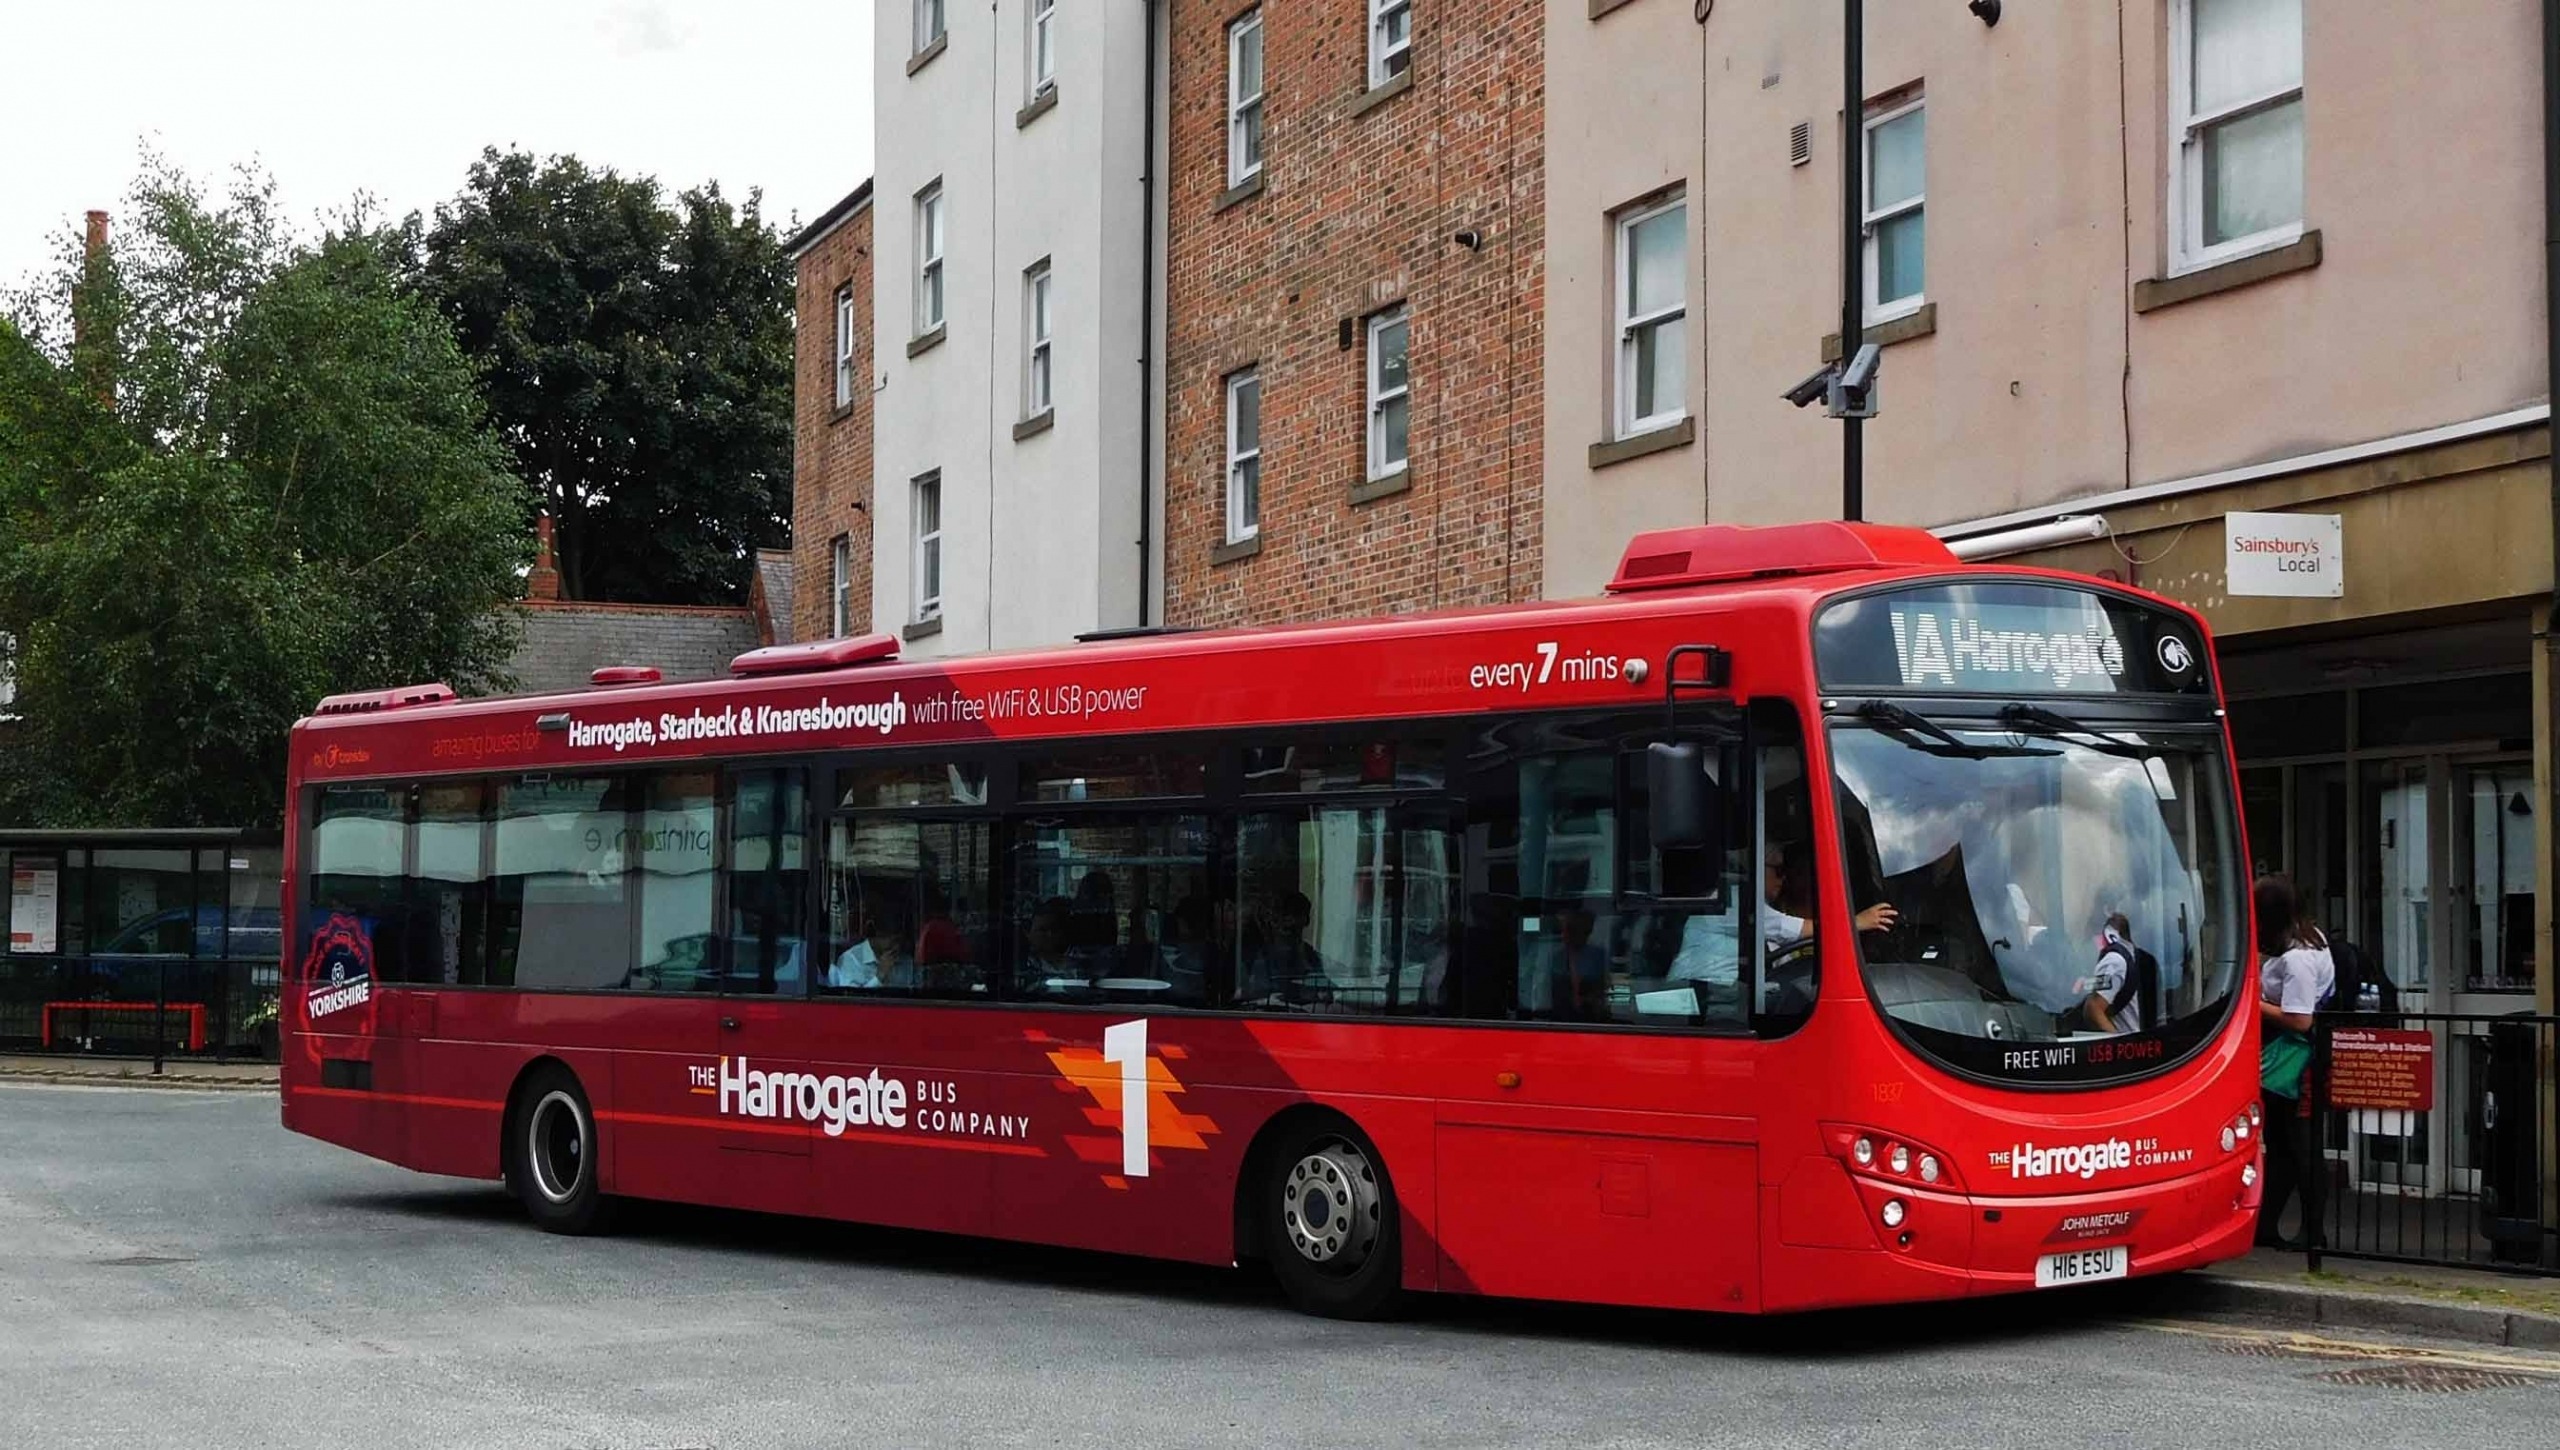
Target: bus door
x: 1098, y: 1137
x: 763, y: 1044
x: 1622, y: 1122
x: 909, y: 1124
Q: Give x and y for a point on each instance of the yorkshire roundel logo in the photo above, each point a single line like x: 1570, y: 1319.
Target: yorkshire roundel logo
x: 2175, y: 657
x: 337, y: 979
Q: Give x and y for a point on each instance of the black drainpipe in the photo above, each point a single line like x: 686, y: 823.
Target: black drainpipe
x: 2551, y: 362
x: 1147, y: 329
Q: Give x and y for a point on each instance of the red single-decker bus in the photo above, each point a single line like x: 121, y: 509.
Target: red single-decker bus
x: 1813, y: 920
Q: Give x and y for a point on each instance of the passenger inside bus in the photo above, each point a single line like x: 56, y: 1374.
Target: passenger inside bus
x: 1046, y: 966
x: 1278, y: 962
x: 878, y: 956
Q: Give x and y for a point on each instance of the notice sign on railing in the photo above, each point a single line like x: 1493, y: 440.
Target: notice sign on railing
x: 2387, y: 1069
x: 35, y: 890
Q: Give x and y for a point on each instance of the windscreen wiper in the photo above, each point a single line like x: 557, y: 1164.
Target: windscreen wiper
x: 1931, y: 738
x: 2038, y: 719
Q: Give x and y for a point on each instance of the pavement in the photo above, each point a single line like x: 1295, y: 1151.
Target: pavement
x: 203, y: 1074
x: 177, y: 1270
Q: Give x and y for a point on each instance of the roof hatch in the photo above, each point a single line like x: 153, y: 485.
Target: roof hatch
x: 824, y: 654
x: 1721, y: 553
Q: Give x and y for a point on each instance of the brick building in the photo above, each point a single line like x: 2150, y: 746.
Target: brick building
x: 1354, y: 313
x: 832, y: 408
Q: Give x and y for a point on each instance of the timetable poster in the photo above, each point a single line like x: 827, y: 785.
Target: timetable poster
x: 35, y: 889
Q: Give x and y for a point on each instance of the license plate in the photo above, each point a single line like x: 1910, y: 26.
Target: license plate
x: 2082, y: 1266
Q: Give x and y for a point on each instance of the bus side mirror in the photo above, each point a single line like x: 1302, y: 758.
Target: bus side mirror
x: 1686, y: 803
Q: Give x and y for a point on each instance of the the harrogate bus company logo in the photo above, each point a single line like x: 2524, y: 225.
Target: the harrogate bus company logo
x: 2078, y: 1160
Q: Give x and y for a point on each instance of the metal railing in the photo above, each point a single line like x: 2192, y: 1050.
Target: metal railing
x: 2428, y: 1138
x: 156, y: 1006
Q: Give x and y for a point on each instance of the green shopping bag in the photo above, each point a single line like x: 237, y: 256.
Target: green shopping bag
x: 2281, y: 1061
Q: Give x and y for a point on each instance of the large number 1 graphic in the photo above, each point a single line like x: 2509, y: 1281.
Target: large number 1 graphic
x: 1126, y: 1044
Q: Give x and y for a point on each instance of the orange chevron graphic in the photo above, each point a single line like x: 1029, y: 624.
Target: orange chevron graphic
x: 1168, y: 1126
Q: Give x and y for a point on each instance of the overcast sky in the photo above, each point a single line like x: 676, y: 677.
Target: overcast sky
x: 336, y: 97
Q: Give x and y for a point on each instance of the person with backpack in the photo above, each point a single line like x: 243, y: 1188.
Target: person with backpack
x: 2117, y: 984
x: 2296, y: 978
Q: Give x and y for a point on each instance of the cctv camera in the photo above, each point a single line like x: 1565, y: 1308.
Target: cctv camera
x: 1811, y: 391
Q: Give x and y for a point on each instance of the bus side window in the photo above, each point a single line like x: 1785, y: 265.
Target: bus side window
x: 563, y: 882
x: 908, y: 906
x: 1112, y: 908
x: 768, y: 954
x: 1343, y: 909
x: 676, y: 856
x: 450, y: 893
x: 359, y: 847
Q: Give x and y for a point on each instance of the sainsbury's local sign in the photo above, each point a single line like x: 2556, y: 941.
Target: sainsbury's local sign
x: 2297, y: 556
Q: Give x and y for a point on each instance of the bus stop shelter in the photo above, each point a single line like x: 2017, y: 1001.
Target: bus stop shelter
x: 141, y: 943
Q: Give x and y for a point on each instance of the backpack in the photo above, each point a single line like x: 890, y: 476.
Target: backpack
x: 2141, y: 985
x: 2353, y: 968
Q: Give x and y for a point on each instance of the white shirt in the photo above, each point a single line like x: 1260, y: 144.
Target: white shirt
x: 858, y: 966
x: 1710, y: 946
x: 2298, y: 980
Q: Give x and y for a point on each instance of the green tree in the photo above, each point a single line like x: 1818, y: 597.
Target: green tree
x: 637, y: 358
x: 237, y: 473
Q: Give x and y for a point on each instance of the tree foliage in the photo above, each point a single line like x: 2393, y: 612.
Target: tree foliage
x: 637, y: 358
x: 236, y: 473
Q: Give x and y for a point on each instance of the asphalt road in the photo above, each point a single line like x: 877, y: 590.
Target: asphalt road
x: 175, y: 1269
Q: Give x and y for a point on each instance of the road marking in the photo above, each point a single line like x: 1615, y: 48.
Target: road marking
x: 2321, y: 1346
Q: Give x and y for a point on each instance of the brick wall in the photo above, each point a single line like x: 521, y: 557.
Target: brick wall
x: 1358, y: 208
x: 831, y: 457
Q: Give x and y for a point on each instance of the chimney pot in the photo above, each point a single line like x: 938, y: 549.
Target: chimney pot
x: 542, y: 586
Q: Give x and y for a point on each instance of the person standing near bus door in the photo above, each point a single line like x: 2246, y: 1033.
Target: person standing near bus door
x: 2296, y: 976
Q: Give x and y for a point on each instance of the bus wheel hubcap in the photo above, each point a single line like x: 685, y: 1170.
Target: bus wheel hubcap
x: 1330, y: 1206
x: 556, y: 1146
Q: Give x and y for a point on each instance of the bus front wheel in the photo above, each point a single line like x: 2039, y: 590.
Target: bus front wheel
x: 1329, y: 1222
x: 551, y: 1154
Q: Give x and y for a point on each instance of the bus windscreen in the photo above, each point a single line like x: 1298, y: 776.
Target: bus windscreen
x: 2064, y: 904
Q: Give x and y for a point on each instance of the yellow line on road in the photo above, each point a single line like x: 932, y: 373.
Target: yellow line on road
x: 2321, y: 1346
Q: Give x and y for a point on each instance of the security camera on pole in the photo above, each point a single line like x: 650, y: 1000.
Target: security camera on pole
x: 1846, y: 388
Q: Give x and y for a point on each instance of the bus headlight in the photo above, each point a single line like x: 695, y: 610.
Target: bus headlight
x: 2248, y: 1175
x: 1893, y: 1213
x: 1901, y: 1159
x: 2229, y: 1139
x: 1929, y: 1168
x: 1864, y: 1150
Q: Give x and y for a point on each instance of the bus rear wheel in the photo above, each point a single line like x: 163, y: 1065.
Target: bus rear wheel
x: 551, y: 1154
x: 1329, y: 1223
